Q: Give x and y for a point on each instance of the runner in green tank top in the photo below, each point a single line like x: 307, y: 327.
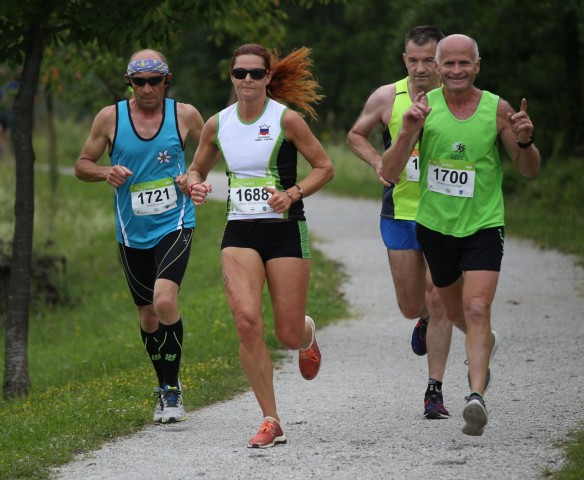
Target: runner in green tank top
x: 460, y: 215
x: 416, y: 296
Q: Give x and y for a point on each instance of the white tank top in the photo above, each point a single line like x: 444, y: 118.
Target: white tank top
x: 256, y: 154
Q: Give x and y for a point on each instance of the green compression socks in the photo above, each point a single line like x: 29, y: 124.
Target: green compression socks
x: 171, y: 338
x: 152, y: 343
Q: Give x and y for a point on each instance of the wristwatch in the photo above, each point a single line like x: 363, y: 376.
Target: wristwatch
x: 525, y: 145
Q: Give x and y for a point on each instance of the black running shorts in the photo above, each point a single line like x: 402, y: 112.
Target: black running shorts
x: 270, y: 239
x: 166, y: 260
x: 449, y: 256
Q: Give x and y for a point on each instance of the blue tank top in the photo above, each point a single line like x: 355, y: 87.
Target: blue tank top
x: 149, y: 205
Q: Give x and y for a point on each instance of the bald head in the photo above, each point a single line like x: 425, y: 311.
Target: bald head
x: 457, y: 43
x: 147, y: 54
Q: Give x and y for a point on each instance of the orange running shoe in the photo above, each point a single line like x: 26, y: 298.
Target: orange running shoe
x: 269, y: 434
x: 309, y: 358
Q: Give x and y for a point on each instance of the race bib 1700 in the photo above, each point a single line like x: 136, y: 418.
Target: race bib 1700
x: 451, y: 177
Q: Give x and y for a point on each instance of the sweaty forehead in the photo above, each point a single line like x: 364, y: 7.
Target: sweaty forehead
x: 453, y: 54
x: 426, y: 50
x: 249, y: 61
x: 457, y: 46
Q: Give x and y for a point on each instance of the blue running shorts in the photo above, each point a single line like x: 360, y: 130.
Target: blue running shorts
x: 399, y: 234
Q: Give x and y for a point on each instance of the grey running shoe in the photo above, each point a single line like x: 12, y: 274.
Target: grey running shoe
x: 173, y: 409
x: 475, y: 415
x: 159, y: 405
x: 493, y: 351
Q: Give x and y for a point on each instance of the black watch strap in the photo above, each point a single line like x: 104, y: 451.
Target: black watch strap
x: 525, y: 145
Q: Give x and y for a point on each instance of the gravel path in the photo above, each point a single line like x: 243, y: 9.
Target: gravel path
x: 362, y: 416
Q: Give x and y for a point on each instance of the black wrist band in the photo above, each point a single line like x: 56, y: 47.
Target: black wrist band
x: 524, y: 145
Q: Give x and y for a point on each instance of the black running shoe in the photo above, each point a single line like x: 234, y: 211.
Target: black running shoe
x: 419, y: 337
x: 434, y: 407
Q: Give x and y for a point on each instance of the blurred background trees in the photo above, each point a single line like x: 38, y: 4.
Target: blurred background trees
x: 528, y: 49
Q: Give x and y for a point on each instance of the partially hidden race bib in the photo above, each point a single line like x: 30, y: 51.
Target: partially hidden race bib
x: 413, y: 167
x: 451, y: 177
x: 153, y: 198
x: 247, y: 195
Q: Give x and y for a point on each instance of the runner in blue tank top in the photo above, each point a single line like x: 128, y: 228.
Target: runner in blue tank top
x: 145, y: 137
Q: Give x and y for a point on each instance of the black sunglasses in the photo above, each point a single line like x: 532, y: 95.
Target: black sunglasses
x: 255, y: 73
x: 152, y: 81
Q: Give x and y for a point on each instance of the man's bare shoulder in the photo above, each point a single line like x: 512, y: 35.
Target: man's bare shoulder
x: 186, y: 108
x: 503, y: 108
x: 380, y: 104
x: 384, y: 95
x: 188, y: 112
x: 106, y: 113
x: 105, y: 120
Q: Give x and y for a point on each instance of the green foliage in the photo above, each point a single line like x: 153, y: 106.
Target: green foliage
x: 545, y: 65
x: 85, y: 60
x: 353, y: 177
x: 574, y: 468
x: 548, y: 209
x: 556, y: 185
x: 357, y: 47
x: 352, y: 56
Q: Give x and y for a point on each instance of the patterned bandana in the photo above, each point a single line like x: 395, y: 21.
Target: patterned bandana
x: 156, y: 66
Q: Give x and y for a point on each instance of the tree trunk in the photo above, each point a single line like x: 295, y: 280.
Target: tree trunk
x: 53, y: 167
x: 16, y: 375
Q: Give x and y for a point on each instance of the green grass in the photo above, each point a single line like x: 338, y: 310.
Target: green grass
x: 574, y: 468
x: 86, y: 360
x: 548, y: 209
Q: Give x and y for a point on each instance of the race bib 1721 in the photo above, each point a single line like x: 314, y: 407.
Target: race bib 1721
x: 154, y: 197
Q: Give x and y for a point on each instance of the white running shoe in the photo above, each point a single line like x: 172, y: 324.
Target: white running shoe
x: 157, y: 417
x: 475, y: 415
x: 173, y: 409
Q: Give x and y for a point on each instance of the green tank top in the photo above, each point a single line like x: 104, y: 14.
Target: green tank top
x: 406, y: 193
x: 461, y: 173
